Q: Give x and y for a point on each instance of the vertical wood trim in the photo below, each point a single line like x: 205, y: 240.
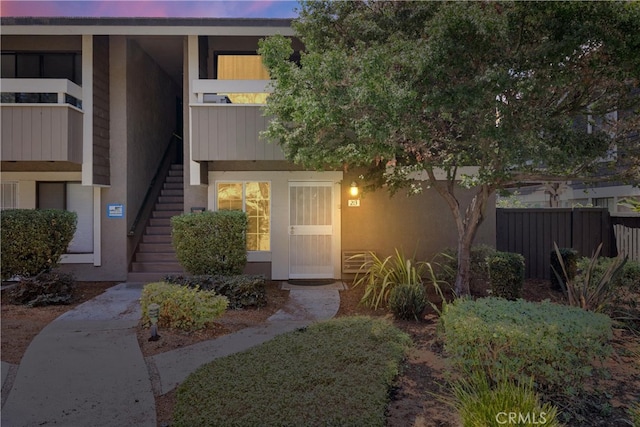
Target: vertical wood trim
x: 87, y: 107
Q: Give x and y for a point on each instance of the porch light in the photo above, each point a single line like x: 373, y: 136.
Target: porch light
x: 354, y: 189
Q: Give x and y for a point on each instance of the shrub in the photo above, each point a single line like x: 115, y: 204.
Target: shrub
x: 380, y: 276
x: 182, y: 307
x: 481, y: 404
x: 570, y: 260
x: 47, y: 288
x: 590, y: 290
x: 34, y: 240
x: 241, y: 291
x: 554, y: 344
x: 479, y: 271
x: 506, y: 272
x: 408, y: 301
x: 211, y: 242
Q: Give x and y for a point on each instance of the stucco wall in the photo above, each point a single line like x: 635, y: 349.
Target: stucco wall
x: 421, y: 223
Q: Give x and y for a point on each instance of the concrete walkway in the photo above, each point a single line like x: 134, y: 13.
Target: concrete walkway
x: 86, y: 368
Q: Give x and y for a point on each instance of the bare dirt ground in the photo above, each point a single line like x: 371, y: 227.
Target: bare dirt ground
x: 416, y: 398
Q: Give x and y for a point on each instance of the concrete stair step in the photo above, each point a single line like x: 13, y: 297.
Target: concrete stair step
x: 160, y: 222
x: 176, y: 172
x: 155, y: 267
x: 156, y: 257
x: 179, y: 192
x: 169, y: 206
x: 155, y: 247
x: 157, y: 230
x: 156, y: 238
x: 173, y: 186
x: 171, y: 199
x: 175, y: 179
x: 166, y: 214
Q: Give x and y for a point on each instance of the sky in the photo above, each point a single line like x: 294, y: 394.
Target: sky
x: 150, y: 8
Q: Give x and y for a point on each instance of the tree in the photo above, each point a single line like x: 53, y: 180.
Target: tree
x: 415, y: 87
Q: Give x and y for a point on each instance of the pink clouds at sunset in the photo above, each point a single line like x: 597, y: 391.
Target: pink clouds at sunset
x: 150, y: 8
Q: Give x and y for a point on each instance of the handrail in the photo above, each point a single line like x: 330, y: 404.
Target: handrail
x: 165, y: 155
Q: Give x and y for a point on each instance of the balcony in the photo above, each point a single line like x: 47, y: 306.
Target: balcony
x: 41, y: 120
x: 230, y: 131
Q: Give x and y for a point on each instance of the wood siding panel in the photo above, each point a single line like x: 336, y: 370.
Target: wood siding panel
x: 101, y: 119
x: 231, y: 133
x: 41, y: 133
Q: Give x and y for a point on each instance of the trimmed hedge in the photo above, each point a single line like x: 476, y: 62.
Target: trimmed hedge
x: 182, y: 307
x: 33, y: 240
x: 211, y: 242
x: 241, y: 291
x: 506, y: 274
x: 554, y: 344
x: 479, y: 271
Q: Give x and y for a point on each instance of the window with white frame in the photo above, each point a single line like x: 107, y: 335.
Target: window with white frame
x: 9, y: 195
x: 254, y: 198
x: 73, y: 197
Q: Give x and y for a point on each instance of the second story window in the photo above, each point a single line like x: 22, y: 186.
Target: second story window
x: 241, y: 66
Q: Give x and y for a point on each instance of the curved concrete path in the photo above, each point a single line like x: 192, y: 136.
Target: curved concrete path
x: 86, y: 368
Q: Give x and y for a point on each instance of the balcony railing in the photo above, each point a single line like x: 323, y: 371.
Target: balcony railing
x: 222, y: 129
x: 41, y: 120
x: 41, y: 91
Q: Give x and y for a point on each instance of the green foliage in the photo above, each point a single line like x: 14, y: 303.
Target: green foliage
x: 632, y: 204
x: 380, y: 276
x: 182, y: 307
x: 211, y: 242
x: 390, y: 87
x: 479, y: 269
x: 47, y: 288
x: 590, y: 290
x: 242, y: 291
x: 34, y: 240
x: 554, y: 344
x: 622, y: 302
x: 346, y: 364
x: 481, y: 403
x: 506, y: 273
x: 569, y: 258
x: 634, y: 414
x: 408, y: 301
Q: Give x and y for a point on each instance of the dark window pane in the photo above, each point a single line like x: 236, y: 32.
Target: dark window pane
x: 51, y: 195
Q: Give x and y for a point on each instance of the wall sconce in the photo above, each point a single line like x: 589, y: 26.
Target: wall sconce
x: 354, y: 190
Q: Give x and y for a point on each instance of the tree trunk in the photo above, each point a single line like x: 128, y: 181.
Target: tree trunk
x: 467, y: 224
x: 473, y: 217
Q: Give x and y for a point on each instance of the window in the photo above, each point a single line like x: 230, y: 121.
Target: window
x: 241, y: 66
x: 73, y: 197
x: 604, y: 202
x: 46, y: 65
x: 254, y: 198
x: 8, y: 195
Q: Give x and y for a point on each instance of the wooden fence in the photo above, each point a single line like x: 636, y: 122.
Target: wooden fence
x: 627, y: 232
x: 532, y: 232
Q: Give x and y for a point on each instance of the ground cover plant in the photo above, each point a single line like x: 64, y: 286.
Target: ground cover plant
x: 332, y: 373
x: 556, y: 345
x: 241, y: 290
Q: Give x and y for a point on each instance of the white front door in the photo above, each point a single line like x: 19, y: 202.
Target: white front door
x: 311, y: 226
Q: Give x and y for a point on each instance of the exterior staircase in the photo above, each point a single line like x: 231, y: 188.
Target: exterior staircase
x: 155, y: 256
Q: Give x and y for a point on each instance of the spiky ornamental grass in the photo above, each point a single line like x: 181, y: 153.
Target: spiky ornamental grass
x: 333, y: 373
